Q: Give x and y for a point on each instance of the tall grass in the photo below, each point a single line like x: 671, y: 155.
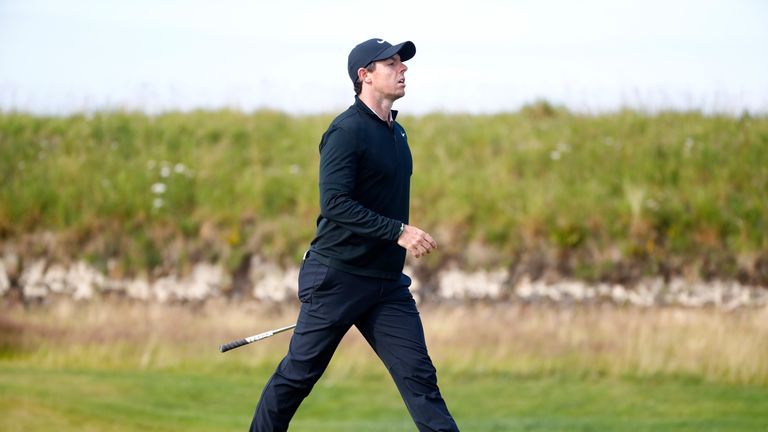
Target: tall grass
x: 661, y: 193
x: 709, y: 345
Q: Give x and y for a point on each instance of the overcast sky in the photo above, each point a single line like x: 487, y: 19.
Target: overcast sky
x: 472, y: 56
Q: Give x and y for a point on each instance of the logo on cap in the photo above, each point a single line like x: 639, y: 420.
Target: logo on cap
x: 380, y: 41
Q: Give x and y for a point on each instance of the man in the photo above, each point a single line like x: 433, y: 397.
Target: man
x: 352, y: 273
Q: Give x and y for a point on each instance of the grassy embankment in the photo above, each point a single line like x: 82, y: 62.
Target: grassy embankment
x: 121, y: 367
x: 612, y: 196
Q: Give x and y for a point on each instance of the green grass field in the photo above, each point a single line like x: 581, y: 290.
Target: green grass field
x: 118, y: 367
x: 35, y: 399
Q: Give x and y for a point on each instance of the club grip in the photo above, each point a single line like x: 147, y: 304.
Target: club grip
x: 232, y: 345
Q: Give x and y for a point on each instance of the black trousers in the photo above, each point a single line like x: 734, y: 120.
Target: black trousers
x: 385, y: 313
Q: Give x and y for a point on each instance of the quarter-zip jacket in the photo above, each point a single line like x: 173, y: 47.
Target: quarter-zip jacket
x: 365, y: 173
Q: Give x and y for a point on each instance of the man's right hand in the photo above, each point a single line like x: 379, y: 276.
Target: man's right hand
x: 417, y: 242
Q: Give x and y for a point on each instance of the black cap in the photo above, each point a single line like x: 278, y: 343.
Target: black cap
x: 374, y: 50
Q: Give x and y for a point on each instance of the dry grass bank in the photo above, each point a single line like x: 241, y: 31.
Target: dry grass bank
x: 482, y: 338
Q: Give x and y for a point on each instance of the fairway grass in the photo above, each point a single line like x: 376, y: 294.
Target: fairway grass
x: 34, y: 399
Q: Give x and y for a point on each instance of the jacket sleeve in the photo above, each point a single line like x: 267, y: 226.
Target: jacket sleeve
x: 338, y: 170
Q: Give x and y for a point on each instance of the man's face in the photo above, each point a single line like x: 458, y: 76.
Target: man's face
x: 388, y: 78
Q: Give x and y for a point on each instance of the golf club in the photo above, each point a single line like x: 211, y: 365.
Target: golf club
x: 254, y: 338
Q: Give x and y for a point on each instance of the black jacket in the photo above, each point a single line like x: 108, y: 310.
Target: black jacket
x: 365, y: 173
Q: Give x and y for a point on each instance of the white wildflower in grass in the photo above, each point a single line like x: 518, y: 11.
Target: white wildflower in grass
x: 158, y: 203
x: 652, y: 204
x: 179, y: 168
x: 158, y: 188
x: 165, y: 171
x: 558, y: 152
x: 294, y: 169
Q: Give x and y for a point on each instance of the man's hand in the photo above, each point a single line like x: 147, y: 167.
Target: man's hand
x: 416, y: 241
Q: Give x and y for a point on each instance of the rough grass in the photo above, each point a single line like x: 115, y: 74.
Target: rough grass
x: 712, y: 345
x: 593, y: 195
x: 123, y: 367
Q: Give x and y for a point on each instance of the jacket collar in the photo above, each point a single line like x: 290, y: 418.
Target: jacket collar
x: 362, y: 107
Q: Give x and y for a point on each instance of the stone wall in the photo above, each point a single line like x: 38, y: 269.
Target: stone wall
x: 41, y: 281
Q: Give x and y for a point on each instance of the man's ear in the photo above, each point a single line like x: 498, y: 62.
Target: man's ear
x: 362, y: 75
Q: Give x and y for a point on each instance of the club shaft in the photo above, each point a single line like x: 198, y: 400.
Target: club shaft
x: 269, y: 333
x: 254, y: 338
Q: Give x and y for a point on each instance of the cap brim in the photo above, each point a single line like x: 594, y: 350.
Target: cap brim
x: 406, y: 50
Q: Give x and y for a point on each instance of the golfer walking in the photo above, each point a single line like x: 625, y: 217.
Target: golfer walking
x: 352, y: 274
